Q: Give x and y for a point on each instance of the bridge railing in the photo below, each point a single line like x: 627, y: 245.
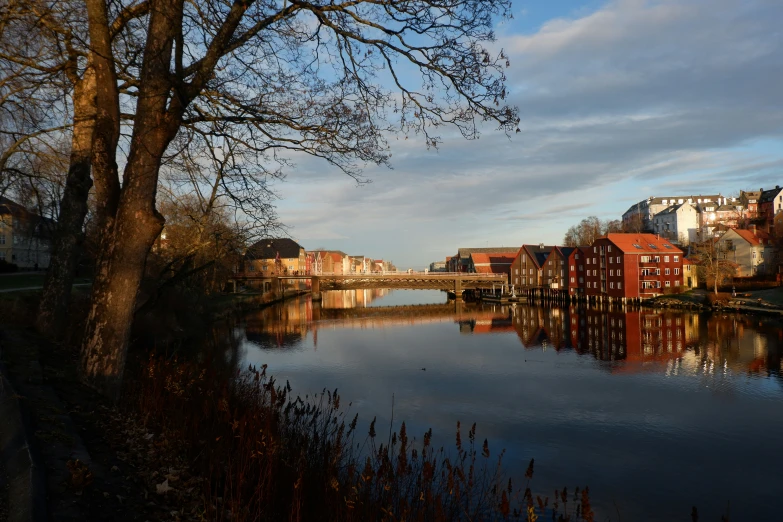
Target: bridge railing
x: 305, y: 274
x: 405, y: 273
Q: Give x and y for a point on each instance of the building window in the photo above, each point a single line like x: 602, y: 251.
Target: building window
x: 530, y: 271
x: 573, y: 268
x: 676, y: 271
x: 251, y: 268
x: 668, y: 283
x: 609, y: 248
x: 2, y: 239
x: 676, y: 259
x: 611, y: 272
x: 516, y: 271
x: 618, y: 259
x: 666, y: 271
x: 572, y: 279
x: 619, y: 272
x: 595, y: 250
x: 581, y: 268
x: 619, y: 287
x: 611, y: 285
x: 677, y: 283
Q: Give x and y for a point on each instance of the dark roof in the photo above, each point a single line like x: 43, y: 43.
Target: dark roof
x: 465, y: 252
x: 566, y: 251
x: 40, y: 226
x: 539, y: 253
x: 268, y: 248
x: 8, y: 206
x: 769, y: 195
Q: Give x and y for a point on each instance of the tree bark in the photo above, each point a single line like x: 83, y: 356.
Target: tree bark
x: 66, y: 246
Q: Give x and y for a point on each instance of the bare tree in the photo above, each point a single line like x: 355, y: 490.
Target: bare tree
x: 712, y: 263
x: 588, y: 230
x: 286, y: 78
x: 51, y: 97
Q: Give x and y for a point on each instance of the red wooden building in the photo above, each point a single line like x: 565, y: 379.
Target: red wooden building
x: 632, y: 266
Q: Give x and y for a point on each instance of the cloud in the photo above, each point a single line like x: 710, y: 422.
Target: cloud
x: 637, y: 98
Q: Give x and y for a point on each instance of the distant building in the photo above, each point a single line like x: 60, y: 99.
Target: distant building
x: 438, y: 266
x: 25, y: 237
x: 770, y: 205
x: 270, y: 257
x: 642, y: 213
x: 690, y: 278
x: 360, y: 264
x: 751, y: 253
x: 750, y: 202
x: 678, y: 223
x: 461, y: 261
x: 498, y: 263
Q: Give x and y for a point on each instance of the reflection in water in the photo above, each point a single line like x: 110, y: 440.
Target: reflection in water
x: 655, y: 410
x: 645, y: 340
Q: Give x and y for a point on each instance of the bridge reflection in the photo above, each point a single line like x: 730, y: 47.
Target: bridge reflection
x: 644, y: 340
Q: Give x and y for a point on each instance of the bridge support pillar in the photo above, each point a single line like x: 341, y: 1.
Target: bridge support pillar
x: 457, y: 288
x: 316, y: 288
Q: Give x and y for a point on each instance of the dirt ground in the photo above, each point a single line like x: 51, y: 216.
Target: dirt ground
x: 88, y: 474
x: 3, y: 494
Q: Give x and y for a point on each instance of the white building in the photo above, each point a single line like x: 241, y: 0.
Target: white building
x: 642, y: 213
x: 678, y: 223
x: 752, y: 254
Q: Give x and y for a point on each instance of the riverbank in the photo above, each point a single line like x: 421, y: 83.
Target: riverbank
x: 224, y: 305
x: 767, y: 301
x: 170, y: 451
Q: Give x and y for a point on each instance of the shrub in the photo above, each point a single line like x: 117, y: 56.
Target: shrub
x: 719, y: 298
x: 268, y: 456
x: 7, y: 268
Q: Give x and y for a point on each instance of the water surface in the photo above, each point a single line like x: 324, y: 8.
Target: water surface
x: 656, y: 411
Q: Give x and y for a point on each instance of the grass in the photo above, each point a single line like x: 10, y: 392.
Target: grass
x: 695, y: 296
x: 14, y: 281
x: 771, y: 295
x: 11, y: 281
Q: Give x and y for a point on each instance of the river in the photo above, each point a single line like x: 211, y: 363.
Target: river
x: 656, y: 411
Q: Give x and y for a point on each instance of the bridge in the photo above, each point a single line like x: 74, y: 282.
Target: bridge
x: 455, y: 282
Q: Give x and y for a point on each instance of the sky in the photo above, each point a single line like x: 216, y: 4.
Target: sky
x: 619, y: 101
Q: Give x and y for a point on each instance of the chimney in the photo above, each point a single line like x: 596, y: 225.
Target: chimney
x: 541, y: 246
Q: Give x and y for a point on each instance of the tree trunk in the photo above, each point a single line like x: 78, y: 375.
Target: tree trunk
x: 130, y: 234
x: 53, y: 308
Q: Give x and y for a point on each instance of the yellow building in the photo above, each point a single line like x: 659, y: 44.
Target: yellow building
x: 690, y: 278
x: 270, y: 257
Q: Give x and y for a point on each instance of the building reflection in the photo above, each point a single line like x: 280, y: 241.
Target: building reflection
x: 643, y: 339
x: 653, y: 339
